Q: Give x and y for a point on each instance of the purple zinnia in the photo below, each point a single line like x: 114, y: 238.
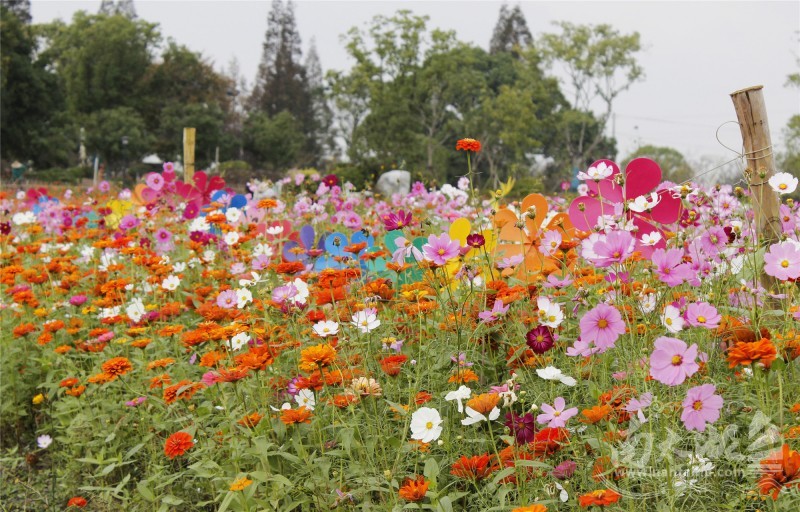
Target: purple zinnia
x: 77, y: 300
x: 540, y: 339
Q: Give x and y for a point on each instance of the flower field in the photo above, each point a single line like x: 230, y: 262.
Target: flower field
x: 185, y: 346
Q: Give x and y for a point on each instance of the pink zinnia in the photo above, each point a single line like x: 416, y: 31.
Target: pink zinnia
x: 602, y: 325
x: 440, y: 250
x: 672, y: 362
x: 77, y: 300
x: 554, y: 415
x: 702, y: 314
x: 782, y: 261
x: 701, y: 406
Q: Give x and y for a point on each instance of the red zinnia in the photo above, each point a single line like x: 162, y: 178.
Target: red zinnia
x: 77, y: 501
x: 177, y: 444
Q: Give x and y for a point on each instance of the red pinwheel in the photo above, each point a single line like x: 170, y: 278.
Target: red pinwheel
x: 636, y: 198
x: 200, y: 192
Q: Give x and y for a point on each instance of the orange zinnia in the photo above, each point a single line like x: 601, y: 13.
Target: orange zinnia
x: 468, y: 145
x: 472, y: 468
x: 744, y: 353
x: 251, y: 420
x: 781, y: 469
x: 293, y: 416
x: 599, y: 498
x: 393, y: 364
x: 531, y: 508
x: 318, y: 355
x: 177, y: 444
x: 596, y: 414
x: 413, y: 489
x: 117, y: 366
x: 483, y: 403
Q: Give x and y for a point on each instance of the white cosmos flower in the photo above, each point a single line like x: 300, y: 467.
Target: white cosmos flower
x: 22, y: 218
x: 231, y: 237
x: 325, y: 328
x: 474, y: 416
x: 426, y: 425
x: 302, y: 291
x: 275, y: 230
x: 135, y: 310
x: 366, y: 320
x: 462, y: 393
x: 239, y: 341
x: 651, y: 238
x: 233, y: 215
x: 553, y: 373
x: 783, y: 183
x: 209, y: 256
x: 243, y: 297
x: 171, y: 283
x: 179, y: 267
x: 672, y: 319
x: 647, y: 303
x: 44, y: 441
x: 602, y: 170
x: 264, y: 249
x: 644, y: 203
x: 199, y: 224
x: 305, y: 398
x: 550, y: 313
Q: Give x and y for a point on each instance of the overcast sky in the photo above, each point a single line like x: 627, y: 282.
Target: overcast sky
x: 696, y: 53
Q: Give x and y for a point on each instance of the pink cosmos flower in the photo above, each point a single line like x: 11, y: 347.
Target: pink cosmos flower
x: 227, y: 299
x: 550, y: 242
x: 670, y: 268
x: 700, y: 407
x: 638, y: 405
x: 602, y: 325
x: 554, y: 415
x: 441, y: 249
x: 497, y: 311
x: 614, y: 248
x: 399, y: 220
x: 155, y: 181
x: 672, y: 362
x: 782, y: 261
x: 702, y: 314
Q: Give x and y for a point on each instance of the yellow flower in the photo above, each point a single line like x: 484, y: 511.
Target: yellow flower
x: 240, y: 484
x: 38, y: 399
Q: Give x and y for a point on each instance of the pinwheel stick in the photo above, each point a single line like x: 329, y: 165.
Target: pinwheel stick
x: 188, y: 155
x: 751, y: 111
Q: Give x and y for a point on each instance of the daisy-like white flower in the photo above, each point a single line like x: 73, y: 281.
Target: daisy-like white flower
x: 44, y: 441
x: 474, y: 416
x: 596, y: 173
x: 366, y: 320
x: 171, y: 283
x: 232, y: 215
x: 325, y: 328
x: 243, y: 297
x: 231, y: 237
x: 426, y: 425
x: 135, y: 310
x: 462, y: 393
x: 672, y: 319
x: 651, y: 238
x: 275, y: 230
x: 553, y: 373
x: 239, y: 341
x: 305, y: 398
x: 783, y: 183
x: 644, y: 203
x: 550, y: 313
x: 302, y: 291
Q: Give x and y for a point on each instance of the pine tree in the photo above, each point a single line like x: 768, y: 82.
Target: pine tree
x: 121, y: 7
x: 322, y: 114
x: 511, y: 33
x: 282, y: 84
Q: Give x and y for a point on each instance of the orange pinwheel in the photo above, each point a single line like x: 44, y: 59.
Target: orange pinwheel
x: 520, y: 236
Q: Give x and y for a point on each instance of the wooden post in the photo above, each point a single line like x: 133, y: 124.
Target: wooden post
x: 751, y: 111
x: 188, y: 155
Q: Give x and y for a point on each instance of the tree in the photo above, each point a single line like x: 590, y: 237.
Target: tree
x: 119, y: 135
x: 30, y: 96
x: 282, y: 84
x: 207, y: 119
x: 102, y: 59
x: 321, y: 112
x: 275, y: 142
x: 20, y: 8
x: 599, y: 64
x: 673, y: 165
x: 121, y: 7
x: 511, y: 33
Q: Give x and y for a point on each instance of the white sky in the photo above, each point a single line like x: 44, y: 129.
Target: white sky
x: 696, y: 53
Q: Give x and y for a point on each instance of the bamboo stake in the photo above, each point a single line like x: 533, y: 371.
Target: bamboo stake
x: 188, y: 155
x: 751, y: 111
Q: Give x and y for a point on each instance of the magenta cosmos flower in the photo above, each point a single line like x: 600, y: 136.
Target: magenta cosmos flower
x: 540, y: 339
x: 554, y: 415
x: 672, y: 362
x: 602, y: 325
x: 642, y: 177
x: 782, y: 261
x: 670, y: 268
x: 399, y: 220
x: 702, y: 314
x: 700, y: 407
x: 441, y: 249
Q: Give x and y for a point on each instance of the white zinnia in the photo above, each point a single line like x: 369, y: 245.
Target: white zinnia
x: 426, y: 425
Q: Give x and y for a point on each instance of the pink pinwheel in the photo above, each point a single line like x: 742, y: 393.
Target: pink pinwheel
x: 647, y: 204
x: 199, y: 192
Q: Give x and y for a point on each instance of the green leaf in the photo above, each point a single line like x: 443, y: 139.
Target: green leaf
x: 169, y: 499
x: 503, y: 474
x: 145, y: 491
x: 431, y: 470
x: 227, y: 501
